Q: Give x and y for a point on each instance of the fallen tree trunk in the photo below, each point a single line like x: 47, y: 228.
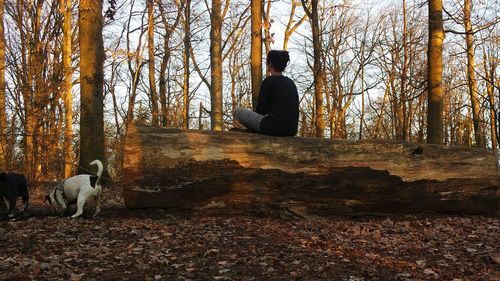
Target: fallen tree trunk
x: 232, y: 171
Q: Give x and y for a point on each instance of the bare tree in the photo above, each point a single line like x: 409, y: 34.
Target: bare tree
x: 3, y: 100
x: 403, y: 116
x: 267, y: 22
x: 471, y: 76
x: 135, y: 62
x: 435, y: 73
x: 151, y: 63
x: 292, y: 26
x: 91, y: 83
x: 66, y: 10
x: 216, y: 113
x: 489, y: 67
x: 317, y: 67
x: 185, y: 58
x: 169, y: 29
x: 256, y: 49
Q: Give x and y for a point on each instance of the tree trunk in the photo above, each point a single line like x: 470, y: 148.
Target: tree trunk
x: 91, y: 84
x: 256, y: 50
x: 362, y: 114
x: 216, y: 113
x: 151, y: 56
x: 403, y: 97
x: 317, y: 67
x: 68, y: 96
x: 163, y: 81
x: 200, y: 115
x: 163, y: 87
x: 232, y: 171
x: 187, y: 45
x: 435, y: 73
x: 29, y: 143
x: 491, y: 99
x: 3, y: 113
x: 471, y: 76
x: 266, y: 20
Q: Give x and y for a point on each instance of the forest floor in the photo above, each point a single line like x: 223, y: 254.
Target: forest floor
x: 154, y: 244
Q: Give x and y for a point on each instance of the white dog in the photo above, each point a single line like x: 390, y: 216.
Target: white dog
x: 77, y: 190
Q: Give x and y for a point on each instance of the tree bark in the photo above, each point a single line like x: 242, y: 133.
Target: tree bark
x: 91, y: 84
x: 163, y: 81
x: 266, y: 21
x: 151, y: 64
x: 135, y: 64
x: 491, y: 99
x: 68, y: 96
x: 216, y: 114
x: 435, y: 73
x: 3, y: 113
x: 471, y: 76
x: 235, y: 172
x: 291, y: 27
x: 317, y: 67
x: 256, y: 50
x: 185, y: 57
x: 403, y: 98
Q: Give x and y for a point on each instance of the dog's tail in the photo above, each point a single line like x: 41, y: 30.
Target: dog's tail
x: 100, y: 168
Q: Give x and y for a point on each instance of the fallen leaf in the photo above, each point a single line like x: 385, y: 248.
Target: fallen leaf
x: 429, y: 271
x: 495, y: 257
x: 420, y: 263
x: 471, y: 250
x: 36, y: 269
x: 211, y: 251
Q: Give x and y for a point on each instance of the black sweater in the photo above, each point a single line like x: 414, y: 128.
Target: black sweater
x: 279, y: 100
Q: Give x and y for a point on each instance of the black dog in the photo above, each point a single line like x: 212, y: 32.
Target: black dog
x: 13, y: 185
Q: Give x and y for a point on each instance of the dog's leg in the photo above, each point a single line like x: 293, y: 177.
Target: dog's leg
x: 62, y: 202
x: 25, y: 195
x: 25, y: 206
x: 98, y: 204
x: 7, y: 205
x: 64, y: 209
x: 80, y: 202
x: 25, y: 202
x: 12, y: 206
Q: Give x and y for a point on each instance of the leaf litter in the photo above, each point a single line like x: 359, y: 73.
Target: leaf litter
x: 124, y: 244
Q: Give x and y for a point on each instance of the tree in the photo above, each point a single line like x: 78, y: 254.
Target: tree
x: 471, y: 75
x: 291, y: 27
x: 185, y: 58
x: 489, y: 73
x: 91, y: 83
x: 435, y: 73
x: 3, y: 100
x: 216, y: 113
x: 35, y: 75
x: 163, y: 81
x: 65, y: 6
x: 317, y: 67
x: 151, y: 63
x: 403, y: 99
x: 267, y: 22
x: 135, y: 62
x: 256, y: 50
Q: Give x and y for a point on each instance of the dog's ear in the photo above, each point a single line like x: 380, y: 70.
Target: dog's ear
x: 2, y: 177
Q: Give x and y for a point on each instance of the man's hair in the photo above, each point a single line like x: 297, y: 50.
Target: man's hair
x: 278, y: 59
